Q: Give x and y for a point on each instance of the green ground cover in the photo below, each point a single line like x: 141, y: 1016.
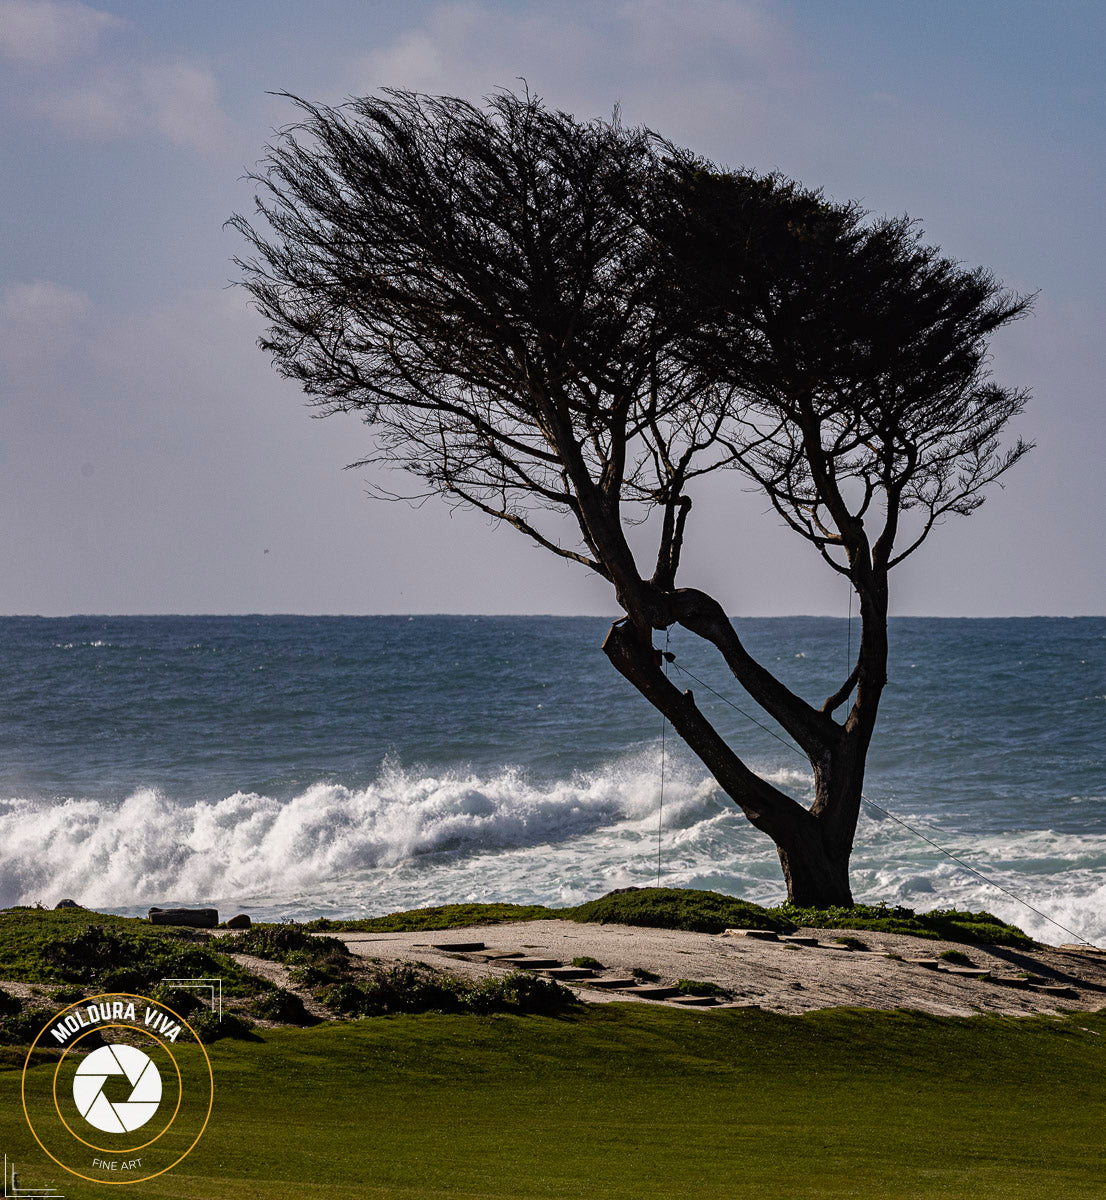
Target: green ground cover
x: 90, y: 949
x: 950, y: 925
x: 444, y: 916
x: 698, y: 911
x: 621, y: 1102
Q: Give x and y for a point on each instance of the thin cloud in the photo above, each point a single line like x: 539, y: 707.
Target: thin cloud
x: 739, y: 63
x: 40, y: 322
x: 42, y: 302
x: 183, y: 102
x: 46, y: 33
x: 459, y: 45
x: 100, y: 106
x: 177, y: 101
x: 92, y: 92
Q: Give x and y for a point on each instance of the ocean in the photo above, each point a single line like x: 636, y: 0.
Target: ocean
x: 297, y: 767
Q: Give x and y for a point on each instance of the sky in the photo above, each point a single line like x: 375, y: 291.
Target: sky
x: 151, y: 461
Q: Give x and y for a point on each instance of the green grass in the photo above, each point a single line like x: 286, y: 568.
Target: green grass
x: 446, y: 916
x: 699, y: 987
x: 91, y: 951
x: 951, y: 925
x: 624, y: 1101
x: 851, y: 943
x: 614, y: 1101
x: 678, y: 908
x: 703, y: 912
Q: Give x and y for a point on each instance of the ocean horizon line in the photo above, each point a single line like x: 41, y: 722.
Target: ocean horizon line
x: 501, y: 616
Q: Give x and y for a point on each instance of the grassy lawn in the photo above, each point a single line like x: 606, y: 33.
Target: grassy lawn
x: 627, y: 1101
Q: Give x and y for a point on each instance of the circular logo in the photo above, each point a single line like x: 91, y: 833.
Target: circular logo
x: 122, y: 1116
x: 104, y: 1069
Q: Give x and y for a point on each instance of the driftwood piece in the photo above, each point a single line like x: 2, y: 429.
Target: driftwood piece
x: 197, y: 918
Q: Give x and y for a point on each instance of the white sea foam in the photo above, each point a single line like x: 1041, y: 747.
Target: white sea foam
x: 149, y: 847
x: 412, y: 838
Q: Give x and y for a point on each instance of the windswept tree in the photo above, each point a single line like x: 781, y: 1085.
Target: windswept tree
x: 566, y: 324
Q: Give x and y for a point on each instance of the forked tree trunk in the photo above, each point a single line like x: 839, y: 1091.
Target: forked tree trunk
x: 814, y: 845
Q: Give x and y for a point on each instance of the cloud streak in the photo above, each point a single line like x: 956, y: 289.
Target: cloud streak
x: 93, y: 93
x: 47, y: 33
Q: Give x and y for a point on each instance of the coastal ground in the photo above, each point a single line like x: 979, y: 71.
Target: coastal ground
x: 821, y: 1071
x: 625, y: 1101
x: 854, y: 968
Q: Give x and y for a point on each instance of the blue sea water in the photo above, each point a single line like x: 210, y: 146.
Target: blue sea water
x: 309, y: 766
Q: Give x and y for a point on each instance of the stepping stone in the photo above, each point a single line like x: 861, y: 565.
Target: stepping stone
x: 696, y: 1001
x: 567, y: 972
x: 458, y: 947
x: 929, y: 963
x: 619, y: 985
x: 534, y: 964
x: 1054, y: 989
x: 651, y: 991
x: 763, y: 935
x: 799, y: 939
x: 492, y: 955
x: 967, y: 972
x: 1010, y: 980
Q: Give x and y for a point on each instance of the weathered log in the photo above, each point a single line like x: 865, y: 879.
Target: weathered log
x: 197, y: 918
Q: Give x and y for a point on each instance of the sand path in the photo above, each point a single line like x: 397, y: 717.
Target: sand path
x: 777, y: 976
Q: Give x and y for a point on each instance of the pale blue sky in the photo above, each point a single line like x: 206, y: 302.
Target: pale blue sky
x: 150, y: 461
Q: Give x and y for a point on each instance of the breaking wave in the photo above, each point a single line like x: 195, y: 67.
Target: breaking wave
x: 415, y: 838
x: 149, y: 847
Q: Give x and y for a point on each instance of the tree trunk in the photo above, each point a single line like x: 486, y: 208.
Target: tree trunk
x: 816, y: 874
x: 814, y: 846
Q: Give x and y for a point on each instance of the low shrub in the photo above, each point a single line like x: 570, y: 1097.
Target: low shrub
x: 210, y: 1027
x: 9, y: 1004
x: 850, y: 943
x: 644, y: 974
x: 519, y: 992
x: 183, y: 1001
x: 678, y: 908
x: 291, y: 944
x: 67, y: 995
x: 282, y: 1006
x: 315, y: 975
x: 21, y: 1028
x: 699, y: 987
x: 110, y: 959
x: 956, y: 958
x: 585, y: 960
x: 405, y: 987
x: 412, y: 987
x: 951, y: 925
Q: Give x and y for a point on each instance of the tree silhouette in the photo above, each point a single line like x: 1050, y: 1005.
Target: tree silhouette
x: 566, y: 324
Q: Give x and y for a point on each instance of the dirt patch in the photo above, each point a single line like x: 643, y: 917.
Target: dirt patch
x: 777, y: 976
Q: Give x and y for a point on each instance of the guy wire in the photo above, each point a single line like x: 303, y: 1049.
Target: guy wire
x: 871, y: 803
x: 660, y: 805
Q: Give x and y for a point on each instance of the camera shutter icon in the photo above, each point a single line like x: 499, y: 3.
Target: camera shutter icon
x: 122, y: 1116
